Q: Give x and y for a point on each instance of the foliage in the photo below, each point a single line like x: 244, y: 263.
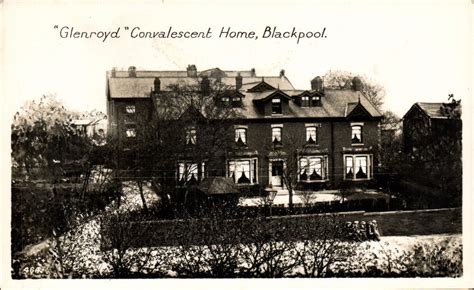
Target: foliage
x: 338, y: 79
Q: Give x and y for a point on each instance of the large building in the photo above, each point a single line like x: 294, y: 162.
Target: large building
x: 339, y: 129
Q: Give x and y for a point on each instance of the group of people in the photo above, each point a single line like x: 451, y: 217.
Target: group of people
x: 362, y: 231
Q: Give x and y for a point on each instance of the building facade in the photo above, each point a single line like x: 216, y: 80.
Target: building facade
x: 333, y: 135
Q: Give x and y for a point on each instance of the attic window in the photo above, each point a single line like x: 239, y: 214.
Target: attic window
x: 304, y: 101
x: 276, y: 106
x: 315, y: 101
x: 236, y: 101
x: 225, y: 100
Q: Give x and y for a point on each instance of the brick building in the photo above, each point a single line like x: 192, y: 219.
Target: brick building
x: 339, y: 129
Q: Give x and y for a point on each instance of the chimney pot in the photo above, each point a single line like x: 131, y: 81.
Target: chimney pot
x: 191, y: 70
x: 253, y: 73
x: 157, y: 85
x: 238, y: 81
x: 282, y: 73
x: 132, y: 71
x: 356, y: 84
x: 317, y: 84
x: 113, y: 72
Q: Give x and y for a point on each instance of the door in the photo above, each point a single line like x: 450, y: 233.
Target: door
x: 277, y: 173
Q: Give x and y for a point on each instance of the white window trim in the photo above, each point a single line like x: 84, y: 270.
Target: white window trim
x: 361, y: 124
x: 370, y: 167
x: 277, y: 125
x: 325, y: 160
x: 251, y: 160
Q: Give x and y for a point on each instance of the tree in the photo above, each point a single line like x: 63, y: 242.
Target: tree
x: 338, y: 79
x: 189, y: 128
x: 43, y: 137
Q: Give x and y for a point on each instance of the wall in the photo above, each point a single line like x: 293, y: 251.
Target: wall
x: 395, y: 223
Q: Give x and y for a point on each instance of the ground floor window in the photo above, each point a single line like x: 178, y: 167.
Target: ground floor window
x: 313, y: 168
x: 190, y: 172
x: 358, y: 167
x: 243, y: 171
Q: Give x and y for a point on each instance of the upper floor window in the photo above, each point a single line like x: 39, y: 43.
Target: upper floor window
x: 276, y: 106
x: 130, y: 109
x: 225, y: 100
x: 357, y: 167
x: 191, y: 136
x: 356, y: 135
x: 276, y: 136
x: 305, y: 101
x: 311, y: 134
x: 131, y: 132
x: 241, y: 136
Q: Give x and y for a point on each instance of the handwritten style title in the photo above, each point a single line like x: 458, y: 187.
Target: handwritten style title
x: 269, y: 32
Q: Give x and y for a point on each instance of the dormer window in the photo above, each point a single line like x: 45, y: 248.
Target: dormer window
x: 236, y: 101
x: 315, y: 101
x: 304, y: 101
x: 241, y: 136
x: 225, y: 100
x: 191, y: 136
x: 276, y: 106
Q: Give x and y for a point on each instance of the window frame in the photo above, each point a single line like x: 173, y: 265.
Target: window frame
x: 190, y: 136
x: 305, y: 101
x: 361, y: 128
x: 278, y: 103
x: 130, y: 109
x: 324, y: 170
x: 253, y: 170
x: 368, y: 165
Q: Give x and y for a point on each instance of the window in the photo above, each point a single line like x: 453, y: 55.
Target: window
x: 243, y: 171
x: 191, y: 136
x: 189, y: 172
x: 241, y: 136
x: 276, y: 106
x: 130, y: 109
x: 357, y: 167
x: 131, y: 132
x: 236, y: 101
x: 276, y: 136
x: 225, y: 100
x: 304, y: 101
x: 313, y: 168
x: 356, y: 134
x: 315, y: 101
x: 311, y: 134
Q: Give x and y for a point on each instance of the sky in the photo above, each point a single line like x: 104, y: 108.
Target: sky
x: 418, y: 51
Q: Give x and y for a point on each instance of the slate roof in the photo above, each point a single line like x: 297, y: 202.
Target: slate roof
x: 334, y: 103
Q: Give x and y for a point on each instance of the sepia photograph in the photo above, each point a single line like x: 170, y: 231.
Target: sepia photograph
x: 173, y: 140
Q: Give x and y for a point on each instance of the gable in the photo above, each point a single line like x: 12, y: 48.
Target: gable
x: 261, y: 87
x: 357, y: 111
x: 266, y: 96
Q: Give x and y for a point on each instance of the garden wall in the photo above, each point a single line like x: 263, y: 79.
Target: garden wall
x: 173, y: 232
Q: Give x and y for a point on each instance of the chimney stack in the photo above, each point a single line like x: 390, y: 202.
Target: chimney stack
x: 282, y: 73
x: 356, y: 84
x: 205, y: 85
x: 238, y: 81
x: 132, y: 72
x: 112, y: 73
x: 253, y: 73
x: 317, y: 84
x: 192, y: 71
x: 157, y: 85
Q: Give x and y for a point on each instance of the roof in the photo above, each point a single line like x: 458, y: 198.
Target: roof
x: 218, y: 185
x: 334, y: 102
x: 433, y: 110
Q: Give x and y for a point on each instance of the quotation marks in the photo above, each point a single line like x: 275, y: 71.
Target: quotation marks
x: 126, y: 28
x: 56, y: 26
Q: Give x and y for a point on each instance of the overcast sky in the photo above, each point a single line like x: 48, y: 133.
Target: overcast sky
x: 418, y: 52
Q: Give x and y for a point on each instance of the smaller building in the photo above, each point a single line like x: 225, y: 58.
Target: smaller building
x: 432, y: 142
